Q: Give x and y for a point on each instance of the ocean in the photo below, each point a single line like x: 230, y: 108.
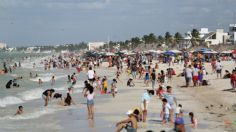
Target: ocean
x: 36, y: 117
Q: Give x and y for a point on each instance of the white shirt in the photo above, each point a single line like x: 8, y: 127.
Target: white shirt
x: 218, y: 66
x: 188, y: 72
x: 195, y: 71
x: 90, y: 96
x: 167, y: 108
x: 90, y: 74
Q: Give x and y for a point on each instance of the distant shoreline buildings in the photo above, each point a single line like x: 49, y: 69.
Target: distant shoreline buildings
x: 3, y: 45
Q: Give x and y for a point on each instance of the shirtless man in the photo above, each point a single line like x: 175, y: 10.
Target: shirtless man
x: 132, y: 119
x: 20, y: 110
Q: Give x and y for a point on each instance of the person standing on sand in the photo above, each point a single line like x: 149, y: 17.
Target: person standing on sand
x: 195, y: 75
x: 171, y: 100
x: 153, y: 78
x: 90, y: 94
x: 90, y: 75
x: 218, y: 69
x: 188, y: 75
x: 233, y: 79
x: 113, y: 87
x: 144, y: 103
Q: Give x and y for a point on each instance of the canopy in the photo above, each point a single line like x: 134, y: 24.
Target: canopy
x: 170, y: 53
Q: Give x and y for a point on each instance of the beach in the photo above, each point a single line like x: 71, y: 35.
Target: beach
x: 109, y: 110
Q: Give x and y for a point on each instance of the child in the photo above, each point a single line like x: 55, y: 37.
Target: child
x: 166, y: 111
x: 20, y: 110
x: 178, y: 110
x: 160, y: 92
x: 113, y: 87
x: 130, y: 83
x: 193, y: 120
x: 104, y: 81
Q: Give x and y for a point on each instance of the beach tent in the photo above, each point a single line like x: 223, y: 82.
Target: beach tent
x: 169, y: 53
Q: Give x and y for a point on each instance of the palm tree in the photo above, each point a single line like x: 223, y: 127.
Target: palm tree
x: 168, y: 38
x: 160, y: 40
x: 177, y: 38
x: 195, y: 37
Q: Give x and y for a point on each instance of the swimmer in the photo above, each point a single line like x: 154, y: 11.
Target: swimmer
x: 20, y: 110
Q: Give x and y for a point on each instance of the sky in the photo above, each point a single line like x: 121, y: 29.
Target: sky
x: 49, y: 22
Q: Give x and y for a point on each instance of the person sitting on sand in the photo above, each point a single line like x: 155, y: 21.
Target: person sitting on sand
x: 131, y: 123
x: 193, y: 120
x: 130, y: 83
x: 227, y: 74
x: 20, y: 110
x: 47, y: 95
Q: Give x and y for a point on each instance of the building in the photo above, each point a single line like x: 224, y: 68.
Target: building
x: 232, y: 33
x: 203, y: 32
x: 215, y: 38
x: 3, y: 45
x: 95, y: 45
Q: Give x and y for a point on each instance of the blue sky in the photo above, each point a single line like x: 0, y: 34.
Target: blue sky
x: 43, y: 22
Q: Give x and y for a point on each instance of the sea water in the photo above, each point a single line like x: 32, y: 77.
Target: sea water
x: 36, y: 117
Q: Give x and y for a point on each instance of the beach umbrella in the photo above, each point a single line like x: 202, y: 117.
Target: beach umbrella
x: 226, y: 52
x: 176, y: 51
x: 210, y: 52
x: 169, y: 53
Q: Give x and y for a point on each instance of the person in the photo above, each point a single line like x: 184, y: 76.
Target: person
x: 171, y: 100
x: 179, y: 123
x: 131, y: 123
x: 68, y: 100
x: 20, y: 110
x: 47, y: 95
x: 9, y: 83
x: 113, y: 87
x: 218, y: 69
x: 53, y: 80
x: 146, y: 79
x: 153, y: 78
x: 178, y: 110
x: 161, y: 77
x: 188, y: 75
x: 144, y: 103
x: 193, y: 120
x: 90, y: 74
x: 68, y: 79
x: 233, y: 79
x: 227, y: 74
x: 130, y: 83
x: 195, y: 75
x: 105, y: 85
x: 40, y: 82
x: 160, y: 91
x: 166, y: 111
x: 90, y: 94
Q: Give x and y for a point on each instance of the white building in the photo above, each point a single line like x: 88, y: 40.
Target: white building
x: 203, y: 32
x: 3, y: 45
x: 232, y: 33
x: 215, y: 38
x: 95, y: 45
